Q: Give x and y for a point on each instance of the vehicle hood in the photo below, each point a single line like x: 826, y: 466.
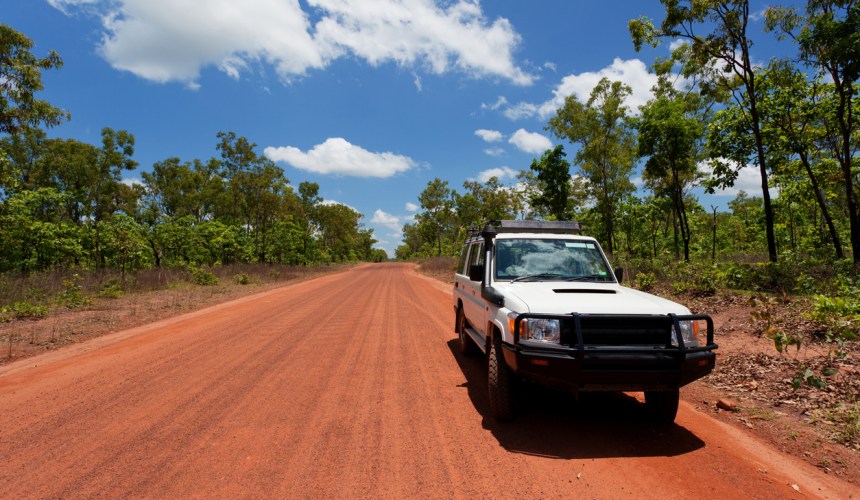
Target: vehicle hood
x: 550, y: 297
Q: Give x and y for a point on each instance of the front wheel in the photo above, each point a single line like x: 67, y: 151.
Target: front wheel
x: 662, y: 405
x: 501, y: 382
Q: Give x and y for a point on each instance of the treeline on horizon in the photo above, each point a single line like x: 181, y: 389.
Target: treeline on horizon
x: 63, y: 202
x: 713, y: 112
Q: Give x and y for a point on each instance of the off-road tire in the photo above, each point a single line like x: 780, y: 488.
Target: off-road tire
x: 662, y: 406
x: 467, y: 346
x: 501, y: 383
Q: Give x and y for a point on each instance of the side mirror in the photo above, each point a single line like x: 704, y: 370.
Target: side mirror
x: 476, y: 272
x: 619, y: 274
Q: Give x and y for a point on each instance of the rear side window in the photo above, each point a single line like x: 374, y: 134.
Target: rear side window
x: 461, y: 266
x: 476, y: 257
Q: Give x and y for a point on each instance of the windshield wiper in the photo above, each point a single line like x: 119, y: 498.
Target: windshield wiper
x: 590, y: 277
x: 536, y: 277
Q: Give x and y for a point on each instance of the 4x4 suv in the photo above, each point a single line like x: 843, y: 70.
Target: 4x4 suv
x: 540, y: 301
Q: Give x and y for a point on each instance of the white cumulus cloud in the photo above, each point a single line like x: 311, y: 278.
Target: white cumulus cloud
x: 173, y: 40
x: 530, y: 142
x: 387, y: 220
x: 748, y: 180
x: 489, y: 135
x: 411, y: 207
x: 631, y: 72
x: 501, y: 173
x: 337, y: 156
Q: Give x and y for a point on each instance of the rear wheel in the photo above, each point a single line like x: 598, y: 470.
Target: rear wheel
x: 662, y: 405
x: 501, y: 382
x: 467, y: 346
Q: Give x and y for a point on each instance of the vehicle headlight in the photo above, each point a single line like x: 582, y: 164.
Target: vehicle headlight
x: 538, y: 329
x: 689, y: 332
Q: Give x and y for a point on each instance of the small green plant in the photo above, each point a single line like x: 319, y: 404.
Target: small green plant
x: 763, y: 314
x: 72, y: 295
x: 242, y: 279
x: 645, y: 281
x: 110, y: 290
x: 22, y: 310
x: 202, y: 276
x: 807, y: 377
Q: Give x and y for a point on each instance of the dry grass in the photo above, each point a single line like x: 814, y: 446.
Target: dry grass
x: 441, y: 268
x: 110, y: 302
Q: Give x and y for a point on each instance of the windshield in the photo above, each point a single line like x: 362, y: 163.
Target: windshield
x: 550, y: 259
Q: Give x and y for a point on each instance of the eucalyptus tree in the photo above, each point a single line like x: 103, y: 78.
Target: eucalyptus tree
x: 552, y: 176
x: 604, y: 131
x: 669, y: 135
x: 828, y: 38
x: 436, y: 220
x: 20, y: 81
x: 718, y: 51
x: 795, y: 122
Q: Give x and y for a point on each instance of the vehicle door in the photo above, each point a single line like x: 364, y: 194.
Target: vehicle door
x: 473, y: 303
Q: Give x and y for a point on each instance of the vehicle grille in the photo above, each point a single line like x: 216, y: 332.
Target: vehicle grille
x: 620, y: 331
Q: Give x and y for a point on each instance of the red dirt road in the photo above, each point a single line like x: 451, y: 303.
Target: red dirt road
x: 347, y: 386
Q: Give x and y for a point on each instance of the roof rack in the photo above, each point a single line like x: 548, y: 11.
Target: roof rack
x: 528, y: 226
x: 538, y: 226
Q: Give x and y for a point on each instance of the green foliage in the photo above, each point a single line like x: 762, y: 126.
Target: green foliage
x: 202, y: 276
x: 242, y: 279
x: 607, y: 147
x: 21, y: 77
x: 808, y: 377
x: 110, y: 290
x: 72, y: 295
x: 22, y: 310
x: 645, y: 281
x: 695, y: 279
x: 553, y: 177
x: 840, y: 318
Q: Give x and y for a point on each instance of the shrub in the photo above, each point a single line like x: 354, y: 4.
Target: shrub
x: 110, y: 290
x: 645, y: 281
x: 695, y: 279
x: 72, y: 295
x: 242, y: 279
x: 22, y: 310
x: 202, y: 276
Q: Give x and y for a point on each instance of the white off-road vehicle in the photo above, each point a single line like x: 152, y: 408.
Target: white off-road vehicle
x: 542, y: 303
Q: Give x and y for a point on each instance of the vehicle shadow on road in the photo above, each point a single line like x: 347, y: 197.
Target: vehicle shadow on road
x: 557, y: 424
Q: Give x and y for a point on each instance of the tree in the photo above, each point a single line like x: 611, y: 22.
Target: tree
x: 607, y: 150
x: 668, y: 135
x: 828, y: 36
x: 237, y: 156
x: 552, y: 173
x: 485, y: 202
x: 309, y: 200
x: 794, y: 121
x: 728, y: 45
x: 20, y: 81
x: 438, y: 203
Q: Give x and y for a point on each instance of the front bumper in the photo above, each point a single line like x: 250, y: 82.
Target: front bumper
x: 590, y: 362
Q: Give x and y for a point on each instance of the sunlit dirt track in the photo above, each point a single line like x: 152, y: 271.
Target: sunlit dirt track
x: 347, y: 386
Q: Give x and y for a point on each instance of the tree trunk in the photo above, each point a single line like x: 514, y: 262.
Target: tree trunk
x: 845, y: 160
x: 768, y: 206
x: 822, y: 204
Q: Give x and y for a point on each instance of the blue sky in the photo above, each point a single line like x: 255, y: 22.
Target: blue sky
x: 371, y: 99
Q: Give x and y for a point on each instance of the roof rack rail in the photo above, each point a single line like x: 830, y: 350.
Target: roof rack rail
x: 527, y: 226
x: 539, y: 226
